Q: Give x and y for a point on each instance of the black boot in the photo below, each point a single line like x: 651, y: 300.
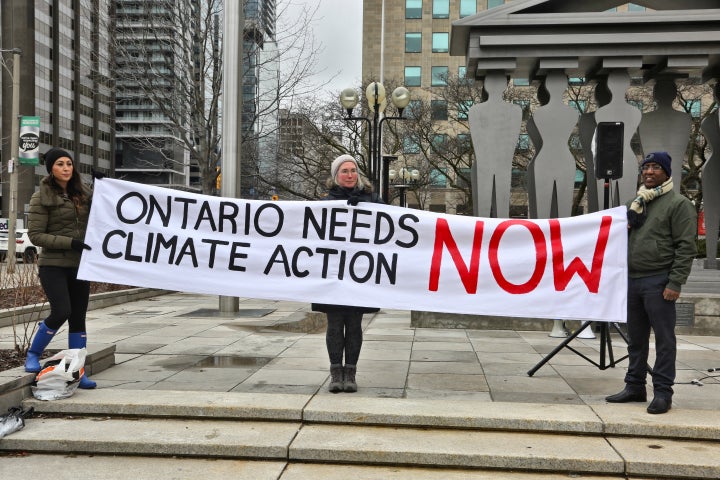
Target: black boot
x: 336, y: 379
x: 629, y: 394
x: 660, y: 404
x: 350, y: 385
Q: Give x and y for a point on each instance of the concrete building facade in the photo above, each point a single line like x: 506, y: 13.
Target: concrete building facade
x: 65, y: 79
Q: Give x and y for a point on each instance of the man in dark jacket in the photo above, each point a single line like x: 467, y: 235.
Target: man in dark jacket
x: 661, y: 247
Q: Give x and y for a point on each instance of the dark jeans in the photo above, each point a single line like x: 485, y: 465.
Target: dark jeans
x: 647, y: 309
x: 344, y: 333
x: 68, y: 297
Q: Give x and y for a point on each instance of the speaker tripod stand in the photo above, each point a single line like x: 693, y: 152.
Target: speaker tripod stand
x: 606, y: 350
x: 605, y: 340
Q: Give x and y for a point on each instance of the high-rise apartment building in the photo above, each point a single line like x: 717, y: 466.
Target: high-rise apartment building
x: 151, y: 66
x: 64, y: 79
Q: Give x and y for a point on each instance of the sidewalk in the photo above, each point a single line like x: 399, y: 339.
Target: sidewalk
x: 181, y: 342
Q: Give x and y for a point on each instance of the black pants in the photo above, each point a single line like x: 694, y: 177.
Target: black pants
x: 68, y: 297
x: 647, y: 309
x: 344, y: 333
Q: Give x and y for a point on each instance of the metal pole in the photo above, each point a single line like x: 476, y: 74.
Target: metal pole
x: 233, y: 26
x: 13, y: 164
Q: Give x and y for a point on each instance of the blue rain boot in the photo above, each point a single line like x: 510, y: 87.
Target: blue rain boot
x: 39, y: 343
x: 79, y: 340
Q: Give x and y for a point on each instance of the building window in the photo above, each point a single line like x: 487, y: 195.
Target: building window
x: 438, y: 178
x: 464, y: 142
x: 412, y: 76
x: 414, y: 109
x: 439, y: 76
x: 520, y: 82
x: 439, y: 143
x: 440, y: 42
x: 463, y: 109
x: 635, y: 8
x: 413, y: 42
x: 467, y: 8
x: 693, y: 107
x: 576, y: 80
x: 410, y: 145
x: 462, y: 72
x: 637, y: 104
x: 495, y: 3
x: 523, y: 142
x: 580, y: 106
x: 441, y: 8
x: 579, y: 177
x: 439, y: 110
x: 413, y: 8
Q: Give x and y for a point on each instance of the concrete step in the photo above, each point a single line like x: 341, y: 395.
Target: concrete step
x: 99, y: 467
x: 614, y: 440
x: 603, y: 419
x: 368, y: 445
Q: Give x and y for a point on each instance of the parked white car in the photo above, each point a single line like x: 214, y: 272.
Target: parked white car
x: 24, y: 248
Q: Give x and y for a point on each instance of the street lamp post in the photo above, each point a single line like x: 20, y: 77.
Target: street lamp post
x: 403, y: 179
x: 377, y: 102
x: 13, y: 163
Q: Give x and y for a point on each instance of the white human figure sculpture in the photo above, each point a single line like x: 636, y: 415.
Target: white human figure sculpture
x: 711, y: 183
x: 618, y: 110
x: 586, y: 129
x: 551, y: 172
x: 494, y: 129
x: 666, y: 129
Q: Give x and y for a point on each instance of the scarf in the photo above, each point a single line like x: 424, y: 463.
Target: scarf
x: 637, y: 213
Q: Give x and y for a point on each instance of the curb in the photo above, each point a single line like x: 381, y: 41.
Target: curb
x: 30, y: 313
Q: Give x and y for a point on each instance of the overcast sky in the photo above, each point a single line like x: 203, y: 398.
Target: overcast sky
x: 338, y: 28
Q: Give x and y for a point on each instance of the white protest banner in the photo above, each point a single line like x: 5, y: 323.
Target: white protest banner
x: 369, y: 255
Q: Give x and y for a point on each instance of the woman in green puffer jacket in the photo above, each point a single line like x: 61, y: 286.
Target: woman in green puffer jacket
x: 59, y: 213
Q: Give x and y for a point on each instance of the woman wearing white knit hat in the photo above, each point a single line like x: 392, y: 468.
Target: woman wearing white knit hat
x: 344, y: 326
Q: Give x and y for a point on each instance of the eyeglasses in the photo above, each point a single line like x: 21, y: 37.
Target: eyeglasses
x: 651, y: 166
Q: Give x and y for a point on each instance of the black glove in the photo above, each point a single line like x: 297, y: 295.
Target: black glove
x: 79, y: 246
x: 353, y: 200
x: 96, y: 175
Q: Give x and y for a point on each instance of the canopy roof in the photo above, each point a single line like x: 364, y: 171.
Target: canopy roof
x: 525, y: 38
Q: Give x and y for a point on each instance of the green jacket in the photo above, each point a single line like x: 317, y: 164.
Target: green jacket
x: 53, y: 223
x: 666, y: 241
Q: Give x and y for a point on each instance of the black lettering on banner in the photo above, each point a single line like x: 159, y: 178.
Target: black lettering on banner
x: 106, y: 251
x: 213, y: 246
x: 296, y: 271
x: 234, y: 254
x: 326, y: 252
x: 335, y: 224
x: 229, y: 216
x: 188, y: 248
x: 413, y: 233
x: 186, y: 205
x: 354, y: 267
x: 128, y: 250
x: 279, y: 252
x: 205, y: 215
x: 383, y: 218
x: 156, y: 208
x: 161, y: 242
x: 309, y: 218
x: 120, y: 212
x: 278, y: 221
x: 356, y: 225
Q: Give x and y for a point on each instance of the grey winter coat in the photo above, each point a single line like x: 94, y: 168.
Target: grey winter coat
x: 54, y: 221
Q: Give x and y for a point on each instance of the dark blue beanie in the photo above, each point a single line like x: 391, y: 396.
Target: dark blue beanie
x: 661, y: 158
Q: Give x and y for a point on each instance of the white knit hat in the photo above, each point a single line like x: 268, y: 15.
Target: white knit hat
x: 335, y: 166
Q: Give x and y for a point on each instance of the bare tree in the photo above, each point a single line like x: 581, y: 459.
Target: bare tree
x: 182, y: 86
